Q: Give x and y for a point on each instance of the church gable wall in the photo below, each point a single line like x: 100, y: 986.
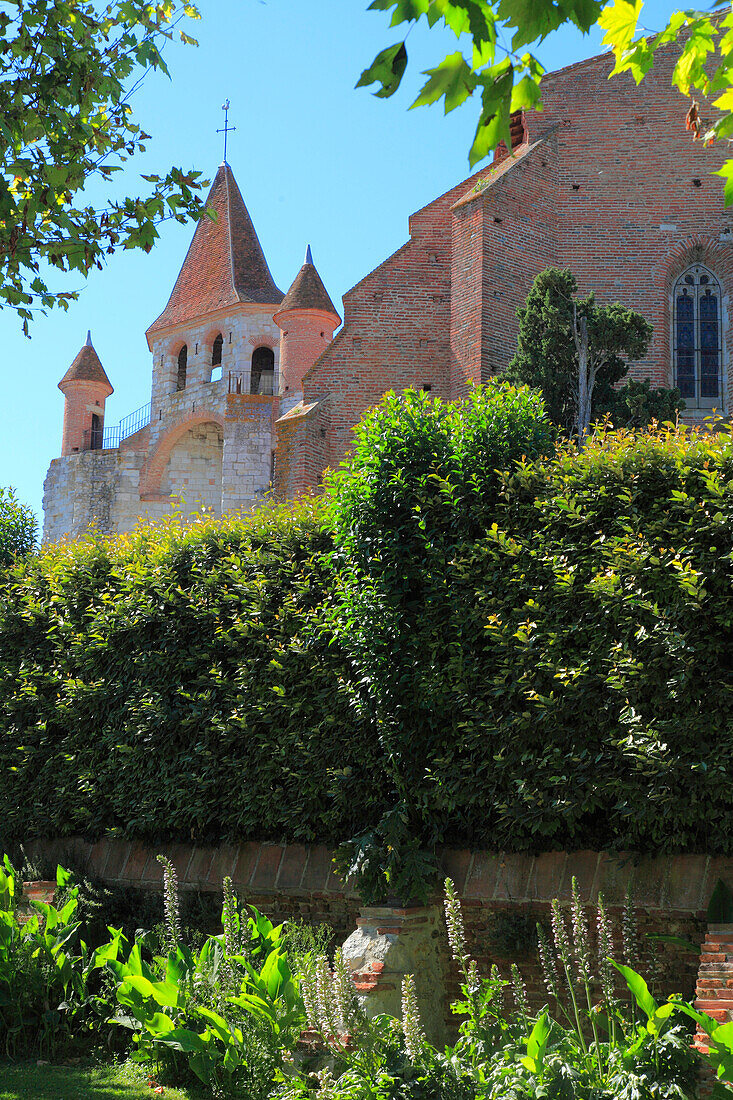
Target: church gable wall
x: 635, y: 193
x: 519, y: 240
x: 396, y: 331
x: 500, y: 242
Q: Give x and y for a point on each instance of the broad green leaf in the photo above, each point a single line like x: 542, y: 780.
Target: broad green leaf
x: 537, y: 1044
x: 406, y: 11
x: 216, y: 1022
x: 638, y: 988
x: 158, y: 1024
x: 619, y: 20
x: 387, y: 69
x: 452, y: 79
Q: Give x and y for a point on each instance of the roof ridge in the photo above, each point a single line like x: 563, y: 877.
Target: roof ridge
x: 228, y: 173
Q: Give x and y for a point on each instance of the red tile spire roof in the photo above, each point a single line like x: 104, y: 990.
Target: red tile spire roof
x: 307, y: 290
x: 87, y: 367
x: 225, y: 263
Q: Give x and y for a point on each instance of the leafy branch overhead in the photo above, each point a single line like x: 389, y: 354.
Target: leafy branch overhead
x: 494, y: 61
x: 67, y: 75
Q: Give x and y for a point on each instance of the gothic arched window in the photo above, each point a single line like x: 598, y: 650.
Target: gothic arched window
x: 698, y: 338
x: 262, y: 377
x: 182, y: 363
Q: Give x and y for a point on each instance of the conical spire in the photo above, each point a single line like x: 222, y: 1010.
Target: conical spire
x: 225, y: 263
x: 87, y: 367
x: 307, y: 291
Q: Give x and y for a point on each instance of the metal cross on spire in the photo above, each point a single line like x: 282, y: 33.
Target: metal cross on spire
x: 227, y: 129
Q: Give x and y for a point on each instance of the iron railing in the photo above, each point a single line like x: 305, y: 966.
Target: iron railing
x: 252, y: 381
x: 110, y: 438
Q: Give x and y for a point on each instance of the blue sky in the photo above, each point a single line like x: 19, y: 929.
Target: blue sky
x: 316, y: 160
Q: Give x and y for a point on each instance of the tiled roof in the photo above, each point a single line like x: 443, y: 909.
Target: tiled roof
x: 225, y: 263
x: 87, y: 367
x: 308, y: 291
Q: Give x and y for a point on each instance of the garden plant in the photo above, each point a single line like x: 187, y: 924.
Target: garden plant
x: 231, y: 1013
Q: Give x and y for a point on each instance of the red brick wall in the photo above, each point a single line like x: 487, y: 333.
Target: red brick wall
x: 500, y: 241
x: 609, y: 191
x: 82, y: 400
x: 396, y: 332
x: 302, y: 452
x: 502, y: 895
x: 305, y: 335
x: 626, y: 167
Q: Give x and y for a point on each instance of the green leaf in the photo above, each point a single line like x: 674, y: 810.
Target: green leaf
x: 620, y: 19
x: 452, y: 78
x: 537, y: 1044
x: 181, y: 1038
x: 387, y: 69
x: 63, y: 877
x: 638, y: 988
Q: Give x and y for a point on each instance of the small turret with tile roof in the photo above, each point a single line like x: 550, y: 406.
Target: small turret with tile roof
x: 85, y: 387
x: 307, y: 320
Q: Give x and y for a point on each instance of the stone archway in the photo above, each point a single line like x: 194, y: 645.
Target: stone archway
x: 187, y: 462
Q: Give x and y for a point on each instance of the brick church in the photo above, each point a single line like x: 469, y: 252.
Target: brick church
x: 251, y: 393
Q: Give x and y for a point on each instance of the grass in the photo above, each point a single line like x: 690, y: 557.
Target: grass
x: 127, y: 1081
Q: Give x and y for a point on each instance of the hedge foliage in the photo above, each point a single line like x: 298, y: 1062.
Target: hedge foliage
x: 441, y: 651
x: 179, y: 683
x: 550, y: 661
x: 18, y: 528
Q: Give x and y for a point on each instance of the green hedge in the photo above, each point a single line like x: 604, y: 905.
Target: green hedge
x: 539, y: 658
x: 549, y: 656
x: 180, y: 683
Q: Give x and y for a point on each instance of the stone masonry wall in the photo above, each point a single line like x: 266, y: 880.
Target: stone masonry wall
x: 248, y: 445
x: 243, y: 328
x: 97, y: 488
x: 193, y: 472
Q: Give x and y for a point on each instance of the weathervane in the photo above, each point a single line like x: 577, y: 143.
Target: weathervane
x: 227, y: 128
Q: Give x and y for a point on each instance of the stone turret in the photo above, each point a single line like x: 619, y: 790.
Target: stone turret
x: 85, y: 387
x: 307, y: 319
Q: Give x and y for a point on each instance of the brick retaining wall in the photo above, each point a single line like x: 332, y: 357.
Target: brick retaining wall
x: 503, y: 895
x: 675, y: 885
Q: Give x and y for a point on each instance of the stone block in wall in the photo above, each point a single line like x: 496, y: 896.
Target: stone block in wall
x: 388, y: 944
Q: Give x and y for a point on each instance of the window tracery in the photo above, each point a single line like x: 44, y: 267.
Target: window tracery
x: 697, y: 337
